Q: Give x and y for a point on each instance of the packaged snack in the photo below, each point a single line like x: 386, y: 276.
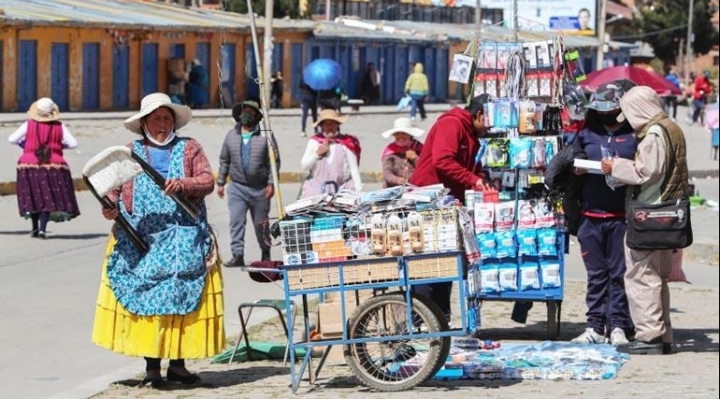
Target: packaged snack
x: 550, y: 274
x: 487, y: 245
x: 506, y: 247
x: 529, y: 276
x: 507, y: 276
x: 489, y: 276
x: 527, y: 242
x: 547, y: 242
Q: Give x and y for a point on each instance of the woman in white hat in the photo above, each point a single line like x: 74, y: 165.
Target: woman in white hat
x: 44, y: 184
x: 400, y: 156
x: 166, y: 303
x: 331, y: 157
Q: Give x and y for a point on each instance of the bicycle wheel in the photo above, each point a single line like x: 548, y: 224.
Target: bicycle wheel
x: 399, y: 364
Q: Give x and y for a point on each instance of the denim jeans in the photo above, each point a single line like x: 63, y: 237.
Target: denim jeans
x: 417, y: 104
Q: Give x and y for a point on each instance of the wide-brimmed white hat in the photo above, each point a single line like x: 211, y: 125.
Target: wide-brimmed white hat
x: 153, y: 101
x: 403, y: 125
x: 44, y: 110
x: 330, y: 114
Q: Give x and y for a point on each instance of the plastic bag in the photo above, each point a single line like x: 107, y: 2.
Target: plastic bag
x: 404, y: 102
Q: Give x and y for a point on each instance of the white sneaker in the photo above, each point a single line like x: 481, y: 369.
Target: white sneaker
x: 617, y: 337
x: 589, y: 337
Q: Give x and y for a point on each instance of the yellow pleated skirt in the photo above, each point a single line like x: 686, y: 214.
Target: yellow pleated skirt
x: 197, y: 335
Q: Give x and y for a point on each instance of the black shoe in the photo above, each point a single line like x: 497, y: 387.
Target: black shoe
x: 34, y: 234
x: 41, y: 235
x: 654, y: 347
x: 154, y: 382
x: 265, y: 255
x: 236, y: 261
x: 190, y: 379
x: 667, y: 348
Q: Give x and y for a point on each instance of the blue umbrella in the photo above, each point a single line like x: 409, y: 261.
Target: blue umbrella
x: 322, y: 74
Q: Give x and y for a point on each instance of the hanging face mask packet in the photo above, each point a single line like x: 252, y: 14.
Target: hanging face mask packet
x: 547, y: 242
x: 507, y: 276
x: 505, y: 241
x: 526, y: 215
x: 550, y: 273
x: 529, y: 276
x: 527, y: 242
x: 539, y: 156
x: 489, y: 279
x: 497, y: 153
x: 487, y: 245
x: 520, y: 152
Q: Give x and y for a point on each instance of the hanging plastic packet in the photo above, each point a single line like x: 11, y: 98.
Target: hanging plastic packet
x: 504, y: 216
x: 527, y: 242
x: 547, y: 242
x: 526, y: 215
x: 479, y: 87
x: 484, y: 215
x: 497, y: 153
x: 503, y: 114
x: 486, y: 243
x: 520, y: 152
x: 544, y: 213
x: 526, y: 111
x: 573, y: 66
x: 529, y: 276
x: 551, y: 145
x: 575, y: 101
x: 531, y: 83
x: 612, y: 182
x: 489, y: 279
x: 489, y: 112
x: 539, y: 155
x: 505, y: 241
x: 507, y: 276
x: 550, y: 272
x: 544, y: 86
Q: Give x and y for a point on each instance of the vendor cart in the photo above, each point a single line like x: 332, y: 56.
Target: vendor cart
x: 392, y: 341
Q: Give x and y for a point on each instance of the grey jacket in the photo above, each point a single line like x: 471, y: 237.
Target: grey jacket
x: 259, y: 174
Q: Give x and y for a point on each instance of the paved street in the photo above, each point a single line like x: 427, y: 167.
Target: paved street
x: 48, y: 288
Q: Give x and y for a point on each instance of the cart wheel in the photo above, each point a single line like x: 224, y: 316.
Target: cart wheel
x: 553, y: 319
x: 440, y: 315
x: 400, y: 364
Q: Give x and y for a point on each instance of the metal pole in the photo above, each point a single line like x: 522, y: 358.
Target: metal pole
x: 267, y: 130
x: 601, y: 35
x: 478, y: 14
x: 327, y: 10
x: 268, y: 48
x: 688, y: 44
x: 516, y: 28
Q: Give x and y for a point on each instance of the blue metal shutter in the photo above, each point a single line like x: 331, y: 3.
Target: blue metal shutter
x: 177, y: 50
x: 121, y: 76
x: 439, y: 87
x: 91, y: 76
x: 149, y: 68
x: 227, y: 66
x: 59, y: 75
x: 296, y: 56
x: 277, y: 58
x: 202, y: 53
x: 27, y: 74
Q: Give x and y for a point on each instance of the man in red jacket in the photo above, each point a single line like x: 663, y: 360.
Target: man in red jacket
x: 448, y: 157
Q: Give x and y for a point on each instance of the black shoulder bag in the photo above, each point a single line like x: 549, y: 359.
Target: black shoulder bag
x: 665, y: 225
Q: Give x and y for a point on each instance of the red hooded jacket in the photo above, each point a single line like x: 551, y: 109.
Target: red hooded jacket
x: 448, y: 154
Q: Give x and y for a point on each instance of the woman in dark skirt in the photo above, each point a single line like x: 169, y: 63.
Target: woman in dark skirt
x: 44, y: 186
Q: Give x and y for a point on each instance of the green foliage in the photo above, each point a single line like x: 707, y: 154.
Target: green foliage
x: 658, y: 20
x: 281, y: 8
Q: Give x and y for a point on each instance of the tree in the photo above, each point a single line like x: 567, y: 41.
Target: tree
x: 663, y: 24
x: 281, y: 8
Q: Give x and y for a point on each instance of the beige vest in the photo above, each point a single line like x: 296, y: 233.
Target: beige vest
x: 675, y: 184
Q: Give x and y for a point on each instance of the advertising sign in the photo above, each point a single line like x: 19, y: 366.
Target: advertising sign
x: 567, y: 15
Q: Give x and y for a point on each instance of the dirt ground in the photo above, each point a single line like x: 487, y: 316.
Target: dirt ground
x: 691, y: 372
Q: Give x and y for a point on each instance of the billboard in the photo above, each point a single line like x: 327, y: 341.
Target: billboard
x: 572, y: 16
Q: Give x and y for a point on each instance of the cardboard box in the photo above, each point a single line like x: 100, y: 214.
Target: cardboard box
x: 330, y: 321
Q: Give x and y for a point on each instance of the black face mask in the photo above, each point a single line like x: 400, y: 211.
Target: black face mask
x: 248, y: 120
x: 608, y: 119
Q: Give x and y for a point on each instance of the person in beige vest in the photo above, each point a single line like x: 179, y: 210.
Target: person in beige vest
x: 658, y: 173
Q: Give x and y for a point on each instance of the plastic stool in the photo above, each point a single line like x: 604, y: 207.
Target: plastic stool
x: 276, y: 304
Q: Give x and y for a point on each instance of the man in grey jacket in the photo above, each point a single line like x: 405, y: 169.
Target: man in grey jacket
x: 245, y: 158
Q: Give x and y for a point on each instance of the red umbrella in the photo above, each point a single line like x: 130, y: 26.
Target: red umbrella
x: 639, y: 76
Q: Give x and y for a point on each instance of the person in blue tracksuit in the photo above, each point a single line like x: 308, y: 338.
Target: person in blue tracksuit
x: 602, y: 230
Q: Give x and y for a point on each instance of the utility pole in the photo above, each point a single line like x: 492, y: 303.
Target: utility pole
x: 688, y: 44
x: 267, y: 50
x: 327, y: 10
x: 478, y: 14
x: 601, y: 35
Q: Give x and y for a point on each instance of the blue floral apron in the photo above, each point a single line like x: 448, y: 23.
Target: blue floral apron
x: 170, y: 278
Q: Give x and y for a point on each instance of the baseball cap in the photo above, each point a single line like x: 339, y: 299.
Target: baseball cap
x: 606, y: 97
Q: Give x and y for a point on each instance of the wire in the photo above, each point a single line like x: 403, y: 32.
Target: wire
x: 515, y: 75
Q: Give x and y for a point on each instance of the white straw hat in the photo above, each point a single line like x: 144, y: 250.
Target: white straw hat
x: 403, y: 125
x: 44, y: 110
x: 153, y: 101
